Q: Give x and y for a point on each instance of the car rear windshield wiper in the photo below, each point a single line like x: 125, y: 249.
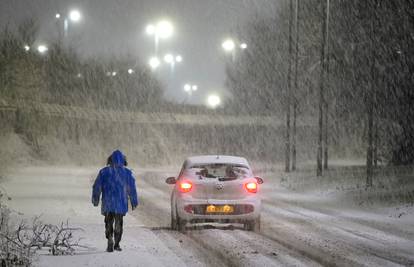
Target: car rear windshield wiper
x: 223, y: 179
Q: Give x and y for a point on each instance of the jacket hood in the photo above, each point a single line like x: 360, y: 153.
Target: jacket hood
x: 118, y: 159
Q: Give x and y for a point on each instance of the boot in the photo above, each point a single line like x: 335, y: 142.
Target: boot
x: 117, y: 240
x: 110, y: 247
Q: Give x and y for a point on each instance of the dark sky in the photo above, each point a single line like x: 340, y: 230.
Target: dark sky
x: 117, y: 27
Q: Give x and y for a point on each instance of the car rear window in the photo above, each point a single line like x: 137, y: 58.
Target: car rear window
x: 221, y: 170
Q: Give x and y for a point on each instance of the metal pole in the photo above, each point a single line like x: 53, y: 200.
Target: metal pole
x: 321, y: 97
x: 295, y: 104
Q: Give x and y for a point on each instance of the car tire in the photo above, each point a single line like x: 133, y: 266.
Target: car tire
x: 253, y: 225
x: 181, y: 224
x: 174, y: 225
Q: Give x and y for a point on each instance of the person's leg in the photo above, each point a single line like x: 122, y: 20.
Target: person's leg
x: 119, y: 221
x: 109, y: 230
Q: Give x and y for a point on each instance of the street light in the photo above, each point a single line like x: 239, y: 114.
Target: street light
x: 228, y: 45
x: 42, y: 49
x: 169, y: 58
x: 73, y: 16
x: 213, y: 101
x: 164, y: 29
x: 130, y: 71
x: 161, y: 30
x: 154, y: 63
x: 27, y: 48
x: 190, y: 88
x: 243, y: 46
x: 172, y: 59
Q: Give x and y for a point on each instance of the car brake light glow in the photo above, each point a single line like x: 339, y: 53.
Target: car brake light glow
x: 251, y: 187
x: 185, y: 187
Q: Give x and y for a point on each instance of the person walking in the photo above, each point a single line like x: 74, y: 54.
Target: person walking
x: 116, y: 184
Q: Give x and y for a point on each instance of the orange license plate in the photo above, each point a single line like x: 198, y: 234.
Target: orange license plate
x: 219, y: 209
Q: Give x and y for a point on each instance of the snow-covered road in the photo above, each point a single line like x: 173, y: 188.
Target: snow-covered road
x: 297, y: 229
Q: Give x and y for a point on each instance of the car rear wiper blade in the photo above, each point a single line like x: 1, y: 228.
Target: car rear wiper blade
x: 223, y: 179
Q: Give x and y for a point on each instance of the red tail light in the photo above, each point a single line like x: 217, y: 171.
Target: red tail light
x: 251, y: 187
x: 185, y: 186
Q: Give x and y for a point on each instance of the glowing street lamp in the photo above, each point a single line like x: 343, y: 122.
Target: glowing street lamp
x: 243, y: 46
x: 190, y: 88
x: 75, y: 15
x: 154, y: 63
x: 26, y: 48
x: 187, y: 88
x: 213, y: 101
x: 172, y: 60
x: 42, y: 49
x: 162, y: 30
x: 169, y: 58
x: 130, y: 71
x: 228, y: 45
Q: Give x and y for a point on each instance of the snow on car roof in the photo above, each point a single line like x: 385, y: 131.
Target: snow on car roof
x: 206, y: 159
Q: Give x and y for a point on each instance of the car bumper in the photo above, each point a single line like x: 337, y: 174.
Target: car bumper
x: 238, y: 215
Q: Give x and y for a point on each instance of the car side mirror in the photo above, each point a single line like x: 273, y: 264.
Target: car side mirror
x: 170, y: 180
x: 259, y: 180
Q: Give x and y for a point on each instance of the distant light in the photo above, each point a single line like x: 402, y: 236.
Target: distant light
x: 243, y: 46
x: 42, y: 49
x: 114, y: 73
x: 213, y: 101
x: 194, y: 87
x: 169, y: 58
x: 164, y: 29
x: 26, y: 47
x: 179, y: 58
x: 57, y: 15
x: 130, y: 71
x: 74, y: 15
x: 79, y: 75
x: 228, y: 45
x: 150, y: 29
x: 187, y: 87
x: 154, y: 63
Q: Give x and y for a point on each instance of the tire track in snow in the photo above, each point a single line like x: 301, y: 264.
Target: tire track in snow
x: 358, y: 247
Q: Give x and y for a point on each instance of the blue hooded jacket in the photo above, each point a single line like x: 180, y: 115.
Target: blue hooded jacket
x: 117, y: 184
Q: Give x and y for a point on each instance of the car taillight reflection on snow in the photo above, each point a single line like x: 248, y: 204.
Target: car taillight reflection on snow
x: 185, y: 186
x: 251, y: 187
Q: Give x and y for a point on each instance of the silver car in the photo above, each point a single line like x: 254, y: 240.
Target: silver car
x: 215, y: 189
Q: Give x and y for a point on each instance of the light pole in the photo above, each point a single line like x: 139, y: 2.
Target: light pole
x: 73, y: 16
x: 230, y: 46
x: 172, y: 60
x: 190, y: 88
x: 161, y: 30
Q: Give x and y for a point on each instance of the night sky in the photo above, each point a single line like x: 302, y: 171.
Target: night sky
x: 117, y: 27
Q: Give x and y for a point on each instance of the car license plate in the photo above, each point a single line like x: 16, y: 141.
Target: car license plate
x: 219, y: 209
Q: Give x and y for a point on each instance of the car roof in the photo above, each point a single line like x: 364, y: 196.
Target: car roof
x: 211, y: 159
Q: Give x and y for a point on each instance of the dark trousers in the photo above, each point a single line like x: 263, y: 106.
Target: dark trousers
x: 113, y: 226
